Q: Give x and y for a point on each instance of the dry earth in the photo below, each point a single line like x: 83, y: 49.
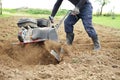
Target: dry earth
x: 79, y: 61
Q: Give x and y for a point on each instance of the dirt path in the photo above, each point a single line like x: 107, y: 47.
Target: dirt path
x: 79, y: 62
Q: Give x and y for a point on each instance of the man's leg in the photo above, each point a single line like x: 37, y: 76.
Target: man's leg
x: 86, y: 16
x: 68, y: 24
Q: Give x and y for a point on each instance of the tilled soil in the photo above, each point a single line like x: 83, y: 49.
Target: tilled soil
x: 78, y: 62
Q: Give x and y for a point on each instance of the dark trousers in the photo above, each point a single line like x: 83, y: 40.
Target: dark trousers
x: 86, y: 17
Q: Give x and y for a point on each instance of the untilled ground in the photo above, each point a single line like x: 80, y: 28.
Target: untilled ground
x: 78, y: 62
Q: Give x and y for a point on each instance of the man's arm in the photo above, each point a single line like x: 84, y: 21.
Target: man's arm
x: 77, y: 8
x: 56, y: 7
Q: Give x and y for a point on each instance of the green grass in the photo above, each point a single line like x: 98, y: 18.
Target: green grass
x: 26, y: 12
x: 41, y: 13
x: 107, y: 21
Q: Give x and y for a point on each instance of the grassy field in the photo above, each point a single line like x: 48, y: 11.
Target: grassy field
x: 102, y: 20
x: 107, y: 21
x: 41, y: 13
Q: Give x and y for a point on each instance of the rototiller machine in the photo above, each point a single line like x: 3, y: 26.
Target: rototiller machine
x: 38, y: 31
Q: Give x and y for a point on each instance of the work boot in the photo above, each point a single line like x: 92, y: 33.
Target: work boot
x: 69, y: 38
x: 97, y: 45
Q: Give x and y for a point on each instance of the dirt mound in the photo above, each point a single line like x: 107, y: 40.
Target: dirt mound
x: 31, y: 54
